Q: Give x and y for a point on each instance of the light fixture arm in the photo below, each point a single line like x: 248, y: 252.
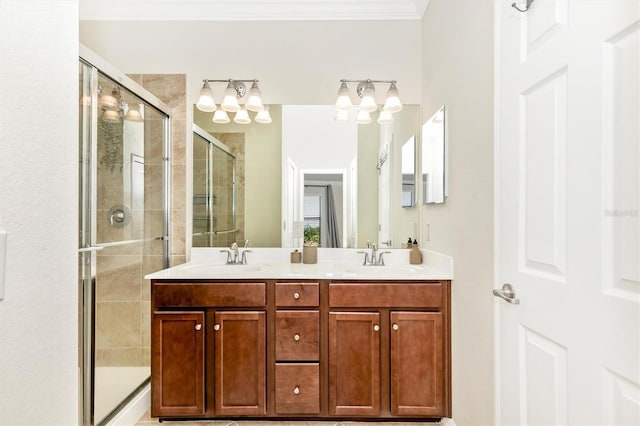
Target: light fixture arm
x: 362, y: 84
x: 238, y: 84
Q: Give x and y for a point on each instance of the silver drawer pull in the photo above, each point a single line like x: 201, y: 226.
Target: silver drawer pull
x: 296, y: 390
x: 296, y: 337
x: 198, y: 327
x: 395, y: 327
x: 376, y: 327
x: 216, y: 327
x: 296, y: 295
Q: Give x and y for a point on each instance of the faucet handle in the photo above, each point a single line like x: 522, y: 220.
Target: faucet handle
x: 234, y: 245
x: 228, y: 254
x: 381, y: 259
x: 244, y: 256
x: 366, y: 256
x: 246, y: 243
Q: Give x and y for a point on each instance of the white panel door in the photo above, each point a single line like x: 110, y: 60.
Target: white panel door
x: 568, y: 212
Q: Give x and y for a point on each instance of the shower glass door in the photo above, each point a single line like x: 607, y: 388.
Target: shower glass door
x: 214, y: 192
x: 123, y: 235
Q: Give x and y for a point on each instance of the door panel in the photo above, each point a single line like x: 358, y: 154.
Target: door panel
x: 240, y: 363
x: 417, y: 364
x: 354, y: 363
x: 178, y: 364
x: 567, y: 212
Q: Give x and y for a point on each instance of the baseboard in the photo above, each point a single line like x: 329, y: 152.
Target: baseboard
x: 134, y: 410
x: 447, y: 422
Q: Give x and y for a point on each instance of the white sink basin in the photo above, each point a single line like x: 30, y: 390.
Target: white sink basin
x: 392, y: 271
x: 217, y: 269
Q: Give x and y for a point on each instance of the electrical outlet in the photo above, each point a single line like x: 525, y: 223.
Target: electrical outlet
x: 298, y: 229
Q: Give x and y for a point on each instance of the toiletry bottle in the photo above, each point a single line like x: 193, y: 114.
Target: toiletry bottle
x: 409, y: 243
x: 415, y: 255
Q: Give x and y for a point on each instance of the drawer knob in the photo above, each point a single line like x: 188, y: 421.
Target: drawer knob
x: 296, y: 295
x: 296, y: 337
x: 198, y: 327
x: 376, y: 327
x: 216, y: 327
x: 395, y: 327
x: 296, y: 390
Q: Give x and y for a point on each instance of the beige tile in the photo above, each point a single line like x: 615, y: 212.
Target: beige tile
x: 177, y: 260
x: 119, y: 284
x: 116, y: 357
x: 145, y: 323
x: 153, y: 187
x: 118, y: 324
x: 178, y: 141
x: 170, y: 88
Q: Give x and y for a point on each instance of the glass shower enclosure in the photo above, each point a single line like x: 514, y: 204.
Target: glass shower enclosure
x: 214, y: 192
x: 123, y: 232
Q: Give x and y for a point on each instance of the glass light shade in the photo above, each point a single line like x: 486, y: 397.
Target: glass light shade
x: 385, y: 117
x: 108, y: 102
x: 111, y: 116
x: 392, y: 103
x: 254, y: 102
x: 342, y: 115
x: 263, y: 116
x: 343, y: 103
x: 133, y: 115
x: 242, y: 117
x: 230, y: 101
x: 205, y: 101
x: 368, y: 102
x: 220, y: 117
x: 364, y: 117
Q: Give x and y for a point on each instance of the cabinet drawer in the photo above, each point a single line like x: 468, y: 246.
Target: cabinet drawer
x: 209, y: 294
x: 297, y: 294
x: 385, y: 295
x: 297, y: 335
x: 297, y: 388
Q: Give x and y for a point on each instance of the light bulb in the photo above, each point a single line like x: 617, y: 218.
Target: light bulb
x: 368, y: 102
x: 363, y: 117
x: 254, y: 102
x: 220, y: 117
x: 242, y: 117
x: 205, y: 101
x: 111, y: 116
x: 385, y: 117
x: 392, y: 103
x: 263, y: 116
x: 343, y: 103
x: 108, y: 101
x: 230, y: 102
x: 133, y: 115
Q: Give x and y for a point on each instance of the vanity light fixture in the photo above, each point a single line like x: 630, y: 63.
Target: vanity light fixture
x: 263, y: 116
x: 242, y: 116
x: 366, y: 91
x: 220, y: 117
x: 342, y: 115
x: 235, y: 90
x: 114, y: 109
x: 364, y: 117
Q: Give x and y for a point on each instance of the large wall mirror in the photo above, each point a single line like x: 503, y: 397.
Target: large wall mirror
x: 307, y: 176
x: 434, y: 139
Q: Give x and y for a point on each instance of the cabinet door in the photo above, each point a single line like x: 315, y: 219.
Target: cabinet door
x: 417, y: 363
x: 354, y: 363
x: 240, y: 363
x: 177, y: 367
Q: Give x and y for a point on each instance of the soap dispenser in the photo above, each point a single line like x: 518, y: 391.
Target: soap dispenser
x: 415, y: 255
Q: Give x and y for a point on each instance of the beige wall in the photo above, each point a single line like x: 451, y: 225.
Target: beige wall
x: 458, y: 72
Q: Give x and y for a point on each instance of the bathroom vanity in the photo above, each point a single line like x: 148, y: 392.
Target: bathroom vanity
x: 274, y: 340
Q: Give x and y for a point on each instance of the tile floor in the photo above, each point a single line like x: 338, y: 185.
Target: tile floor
x: 146, y: 420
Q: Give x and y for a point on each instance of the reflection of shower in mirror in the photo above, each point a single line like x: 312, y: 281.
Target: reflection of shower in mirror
x: 433, y: 158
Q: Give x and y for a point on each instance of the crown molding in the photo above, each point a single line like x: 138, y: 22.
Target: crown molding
x: 251, y: 10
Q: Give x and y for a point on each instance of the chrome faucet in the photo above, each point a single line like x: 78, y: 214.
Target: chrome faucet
x: 373, y: 260
x: 234, y: 256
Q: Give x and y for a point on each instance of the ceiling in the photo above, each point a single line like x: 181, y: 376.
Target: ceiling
x: 251, y: 10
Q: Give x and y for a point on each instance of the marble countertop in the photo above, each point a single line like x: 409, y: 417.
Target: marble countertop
x: 334, y: 264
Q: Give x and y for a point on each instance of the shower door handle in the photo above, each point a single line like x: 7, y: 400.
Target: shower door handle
x: 90, y: 248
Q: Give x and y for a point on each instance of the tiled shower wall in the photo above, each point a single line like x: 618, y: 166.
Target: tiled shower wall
x: 123, y: 296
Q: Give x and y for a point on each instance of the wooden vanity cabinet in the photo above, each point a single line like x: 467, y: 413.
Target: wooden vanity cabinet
x: 387, y: 349
x: 307, y: 349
